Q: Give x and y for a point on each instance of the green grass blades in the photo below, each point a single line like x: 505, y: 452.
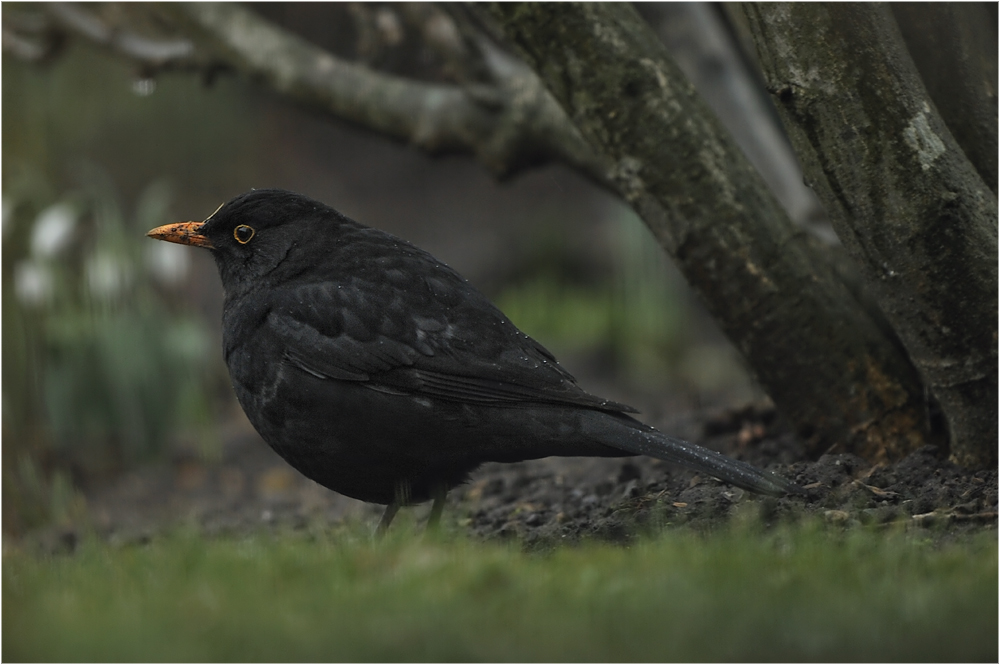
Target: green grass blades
x: 794, y: 594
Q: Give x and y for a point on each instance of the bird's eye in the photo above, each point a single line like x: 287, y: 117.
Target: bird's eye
x: 243, y: 233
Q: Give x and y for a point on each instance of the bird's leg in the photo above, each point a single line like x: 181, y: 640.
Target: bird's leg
x: 437, y: 508
x: 402, y: 495
x: 383, y: 524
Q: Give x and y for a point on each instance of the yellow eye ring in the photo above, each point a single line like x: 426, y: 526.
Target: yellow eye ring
x: 243, y: 234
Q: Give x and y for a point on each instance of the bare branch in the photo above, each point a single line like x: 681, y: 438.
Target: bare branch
x: 30, y: 36
x: 378, y: 29
x: 697, y: 38
x: 158, y: 54
x: 447, y: 37
x: 500, y: 111
x: 510, y: 125
x: 24, y: 48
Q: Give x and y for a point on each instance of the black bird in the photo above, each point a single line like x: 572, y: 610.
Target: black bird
x: 381, y: 373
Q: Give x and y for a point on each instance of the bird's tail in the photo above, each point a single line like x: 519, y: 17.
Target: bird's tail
x: 629, y: 435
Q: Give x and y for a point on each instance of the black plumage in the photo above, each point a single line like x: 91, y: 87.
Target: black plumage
x: 381, y: 373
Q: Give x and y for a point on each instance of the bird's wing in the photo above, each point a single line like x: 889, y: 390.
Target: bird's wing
x: 459, y: 347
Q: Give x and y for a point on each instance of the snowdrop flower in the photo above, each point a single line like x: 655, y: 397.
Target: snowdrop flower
x: 33, y: 282
x: 107, y: 275
x: 167, y: 263
x: 144, y: 87
x: 53, y: 230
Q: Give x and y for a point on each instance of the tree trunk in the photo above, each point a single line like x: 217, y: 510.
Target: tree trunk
x: 954, y: 46
x: 823, y: 359
x: 905, y: 200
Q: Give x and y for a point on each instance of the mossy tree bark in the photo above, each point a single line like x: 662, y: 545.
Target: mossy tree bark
x: 823, y: 358
x: 908, y: 204
x: 954, y: 46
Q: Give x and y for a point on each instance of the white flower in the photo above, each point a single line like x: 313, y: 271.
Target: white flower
x: 33, y: 282
x: 144, y: 87
x: 53, y: 230
x: 167, y: 262
x: 107, y: 276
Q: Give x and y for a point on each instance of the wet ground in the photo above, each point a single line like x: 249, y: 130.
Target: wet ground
x: 543, y: 502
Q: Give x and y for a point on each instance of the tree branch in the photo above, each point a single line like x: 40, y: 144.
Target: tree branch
x: 30, y: 36
x: 823, y: 360
x: 160, y: 54
x: 509, y: 125
x: 905, y: 200
x: 698, y: 42
x: 500, y: 111
x: 954, y: 46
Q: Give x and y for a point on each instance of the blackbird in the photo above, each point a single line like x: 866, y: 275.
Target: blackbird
x: 381, y: 373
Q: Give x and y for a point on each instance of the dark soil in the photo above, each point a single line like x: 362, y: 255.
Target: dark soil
x: 543, y: 502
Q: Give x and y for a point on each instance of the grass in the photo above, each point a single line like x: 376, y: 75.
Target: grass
x: 795, y: 594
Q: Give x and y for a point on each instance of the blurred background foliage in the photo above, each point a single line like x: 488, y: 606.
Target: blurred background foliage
x: 99, y: 370
x: 110, y: 341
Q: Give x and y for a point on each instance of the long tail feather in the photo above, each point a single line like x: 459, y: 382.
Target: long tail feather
x: 630, y: 435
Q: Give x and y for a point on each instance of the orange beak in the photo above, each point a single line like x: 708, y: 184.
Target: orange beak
x: 184, y: 233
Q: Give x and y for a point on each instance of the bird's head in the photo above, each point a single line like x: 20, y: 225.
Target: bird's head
x: 252, y: 234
